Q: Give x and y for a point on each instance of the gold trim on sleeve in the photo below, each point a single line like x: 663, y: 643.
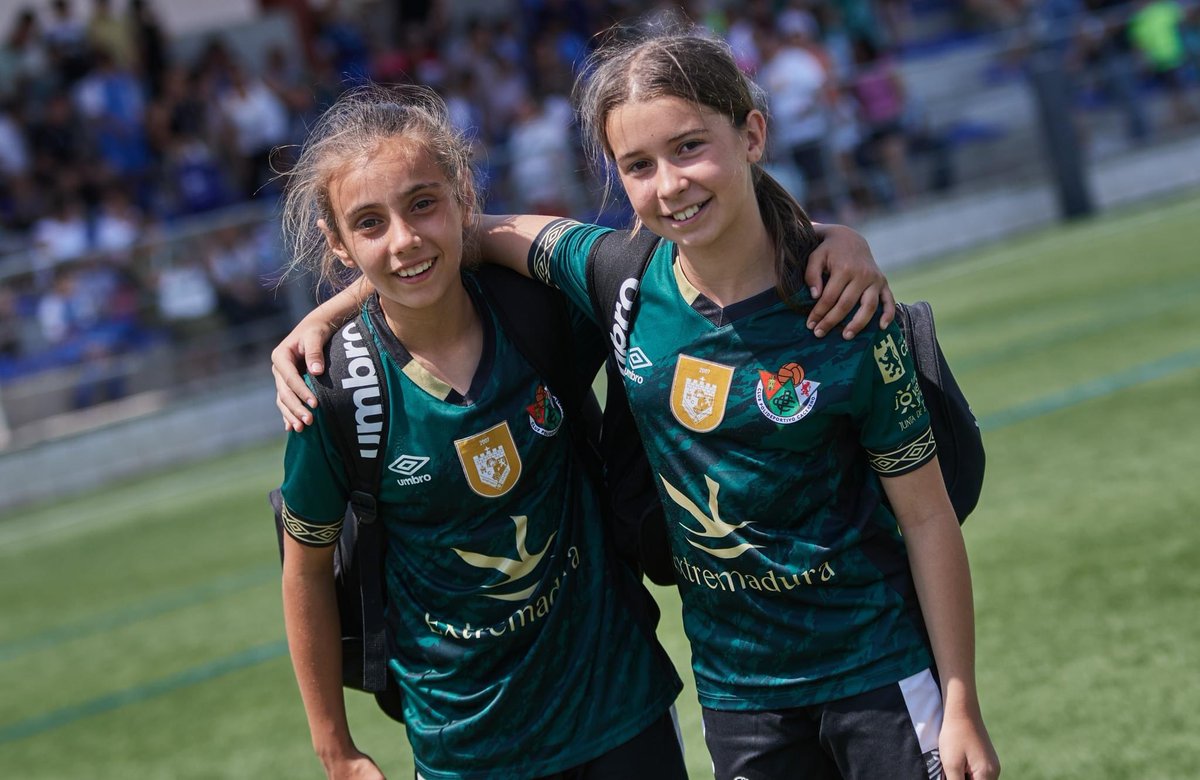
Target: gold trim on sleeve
x: 906, y: 458
x: 310, y: 533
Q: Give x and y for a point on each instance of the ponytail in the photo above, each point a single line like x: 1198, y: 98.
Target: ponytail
x: 791, y: 231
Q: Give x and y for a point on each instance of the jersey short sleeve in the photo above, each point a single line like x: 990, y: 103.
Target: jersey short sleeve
x: 895, y: 424
x: 314, y: 487
x: 558, y: 257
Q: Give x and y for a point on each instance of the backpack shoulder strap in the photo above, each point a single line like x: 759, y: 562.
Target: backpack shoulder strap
x: 347, y: 390
x: 955, y: 429
x: 353, y: 393
x: 536, y: 320
x: 615, y: 267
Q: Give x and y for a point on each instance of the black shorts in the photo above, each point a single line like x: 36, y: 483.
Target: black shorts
x: 656, y: 752
x: 890, y: 733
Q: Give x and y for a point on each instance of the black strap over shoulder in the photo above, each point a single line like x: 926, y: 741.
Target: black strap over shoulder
x: 536, y: 320
x: 959, y: 441
x: 353, y: 393
x: 615, y: 267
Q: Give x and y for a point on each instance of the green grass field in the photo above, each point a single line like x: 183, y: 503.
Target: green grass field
x: 142, y: 634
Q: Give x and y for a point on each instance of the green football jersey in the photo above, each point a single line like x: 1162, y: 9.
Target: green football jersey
x: 515, y: 644
x: 768, y: 444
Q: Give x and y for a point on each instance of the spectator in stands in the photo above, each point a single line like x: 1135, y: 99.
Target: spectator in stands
x: 1156, y: 30
x: 233, y: 266
x: 76, y: 333
x: 15, y: 161
x: 503, y: 99
x: 110, y: 33
x: 255, y: 121
x: 289, y: 82
x: 1108, y: 55
x: 543, y: 162
x: 797, y: 86
x: 110, y: 100
x: 150, y: 45
x: 16, y: 168
x: 66, y: 42
x: 61, y: 234
x: 188, y: 306
x: 116, y: 224
x: 59, y: 142
x: 24, y: 59
x: 61, y: 313
x: 340, y: 39
x: 838, y: 41
x: 193, y: 178
x: 881, y: 101
x: 742, y: 21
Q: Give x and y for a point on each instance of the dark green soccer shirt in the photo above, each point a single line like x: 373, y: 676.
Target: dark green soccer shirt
x: 768, y: 444
x: 516, y: 655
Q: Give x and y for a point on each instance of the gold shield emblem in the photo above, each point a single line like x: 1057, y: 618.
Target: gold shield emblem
x: 699, y: 392
x: 490, y: 461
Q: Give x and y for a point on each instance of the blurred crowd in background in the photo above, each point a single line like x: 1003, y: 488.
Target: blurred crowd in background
x: 115, y: 150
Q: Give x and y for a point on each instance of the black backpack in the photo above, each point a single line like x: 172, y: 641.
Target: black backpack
x: 536, y: 320
x: 615, y: 267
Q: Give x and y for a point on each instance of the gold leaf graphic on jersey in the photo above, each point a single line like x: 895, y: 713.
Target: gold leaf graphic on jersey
x: 699, y: 392
x: 714, y: 526
x: 513, y: 570
x: 490, y: 461
x: 887, y: 357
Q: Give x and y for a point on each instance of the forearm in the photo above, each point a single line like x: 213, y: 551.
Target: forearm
x: 504, y: 239
x: 340, y: 308
x: 943, y: 580
x: 314, y: 641
x: 938, y: 560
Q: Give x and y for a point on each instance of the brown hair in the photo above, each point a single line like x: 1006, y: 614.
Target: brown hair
x: 351, y: 129
x: 644, y: 65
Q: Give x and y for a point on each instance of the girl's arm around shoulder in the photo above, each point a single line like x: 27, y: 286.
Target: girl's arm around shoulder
x: 304, y: 346
x: 314, y: 640
x: 505, y: 239
x: 938, y: 558
x: 841, y: 273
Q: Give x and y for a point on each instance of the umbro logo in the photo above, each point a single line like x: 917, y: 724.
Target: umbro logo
x: 637, y: 359
x: 407, y: 466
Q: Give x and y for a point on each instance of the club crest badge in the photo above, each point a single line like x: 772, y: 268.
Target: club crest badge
x: 545, y: 413
x: 785, y: 396
x: 699, y: 392
x: 887, y: 358
x: 490, y: 461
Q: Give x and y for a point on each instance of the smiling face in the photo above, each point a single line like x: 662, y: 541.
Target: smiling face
x: 398, y: 221
x: 688, y: 171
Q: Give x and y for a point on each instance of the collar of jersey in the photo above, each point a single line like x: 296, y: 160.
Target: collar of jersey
x: 417, y: 373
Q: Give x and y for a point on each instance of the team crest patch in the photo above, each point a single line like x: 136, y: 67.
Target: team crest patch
x: 490, y: 461
x: 887, y: 357
x: 785, y: 395
x: 545, y: 413
x: 699, y: 392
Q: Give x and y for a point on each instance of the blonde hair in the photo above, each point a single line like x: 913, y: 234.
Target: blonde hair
x: 352, y: 128
x: 638, y: 66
